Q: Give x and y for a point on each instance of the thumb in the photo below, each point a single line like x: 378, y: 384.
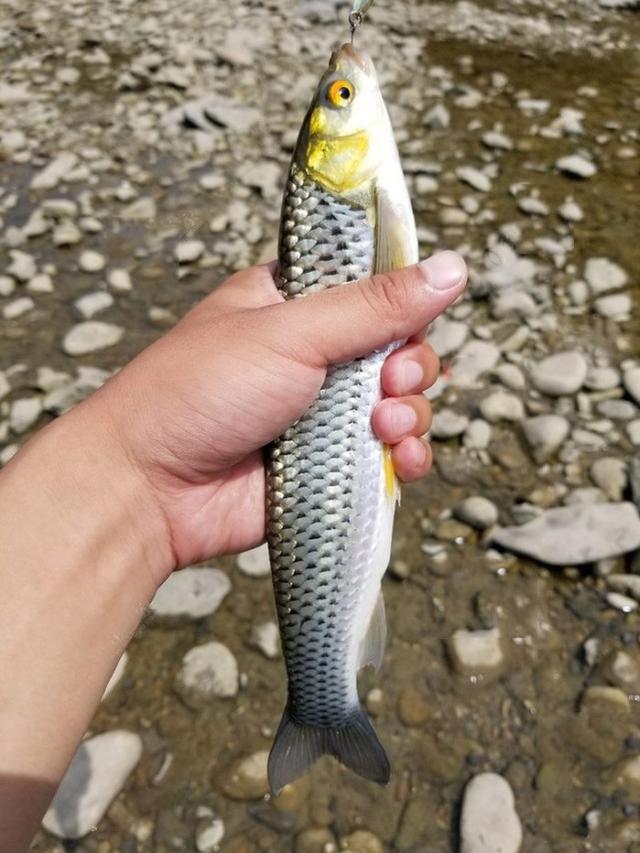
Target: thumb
x: 348, y: 321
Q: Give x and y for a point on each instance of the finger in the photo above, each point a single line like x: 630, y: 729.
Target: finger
x: 396, y: 418
x: 254, y: 287
x: 342, y: 323
x: 409, y: 370
x: 411, y: 458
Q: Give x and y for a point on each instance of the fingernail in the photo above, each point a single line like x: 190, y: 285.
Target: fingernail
x: 403, y: 418
x: 412, y: 374
x: 444, y: 270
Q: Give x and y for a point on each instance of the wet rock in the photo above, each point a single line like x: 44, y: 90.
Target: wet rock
x: 188, y: 251
x: 633, y: 432
x: 448, y: 424
x: 91, y: 336
x: 5, y: 386
x: 627, y: 774
x: 116, y: 676
x: 361, y: 841
x: 24, y: 413
x: 315, y: 840
x: 621, y: 602
x: 66, y: 234
x: 622, y: 669
x: 477, y: 435
x: 610, y: 475
x: 246, y: 779
x: 631, y: 380
x: 602, y: 275
x: 255, y: 563
x: 477, y: 653
x: 208, y: 671
x: 560, y: 374
x: 190, y: 593
x: 501, y: 406
x: 40, y: 283
x: 489, y: 822
x: 266, y: 639
x: 141, y: 210
x: 477, y: 511
x: 572, y: 535
x: 603, y: 722
x: 413, y: 707
x: 209, y: 835
x: 495, y: 139
x: 576, y: 166
x: 97, y: 773
x: 570, y: 211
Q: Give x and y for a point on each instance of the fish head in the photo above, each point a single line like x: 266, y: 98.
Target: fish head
x: 342, y: 141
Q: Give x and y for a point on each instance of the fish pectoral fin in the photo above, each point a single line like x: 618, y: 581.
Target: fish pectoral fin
x: 374, y: 641
x: 392, y: 252
x: 296, y: 748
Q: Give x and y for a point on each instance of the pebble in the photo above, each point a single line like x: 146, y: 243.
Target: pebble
x: 631, y: 381
x: 513, y: 303
x: 66, y: 234
x: 489, y: 822
x: 447, y: 336
x: 247, y: 777
x: 511, y: 376
x: 576, y: 534
x: 24, y: 413
x: 602, y: 378
x: 576, y: 166
x: 190, y: 593
x: 502, y: 406
x: 266, y: 638
x: 255, y: 563
x: 438, y: 118
x: 474, y: 359
x: 22, y: 266
x: 621, y: 602
x: 602, y: 275
x: 617, y: 410
x: 628, y: 775
x: 209, y: 836
x: 40, y: 283
x: 52, y: 174
x: 570, y: 211
x: 560, y: 374
x: 90, y: 336
x: 474, y: 178
x: 188, y: 251
x: 633, y: 432
x: 610, y: 475
x: 497, y: 140
x: 316, y: 840
x: 477, y: 511
x: 208, y: 671
x: 92, y: 303
x: 475, y: 653
x: 413, y: 707
x: 617, y: 306
x: 5, y: 386
x: 533, y: 206
x: 119, y: 279
x: 477, y: 435
x: 91, y: 261
x: 97, y: 773
x: 448, y: 424
x: 17, y: 307
x: 361, y: 841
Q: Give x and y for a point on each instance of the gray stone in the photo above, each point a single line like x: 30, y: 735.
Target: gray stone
x: 474, y: 178
x: 476, y: 653
x: 610, y: 475
x: 119, y: 279
x: 626, y: 584
x: 616, y: 306
x: 576, y: 534
x: 5, y: 387
x: 90, y: 336
x: 631, y: 381
x: 495, y: 139
x: 22, y: 266
x: 501, y: 406
x: 633, y: 432
x: 511, y: 376
x: 602, y: 378
x: 209, y: 836
x: 533, y: 206
x: 474, y: 359
x: 489, y: 822
x: 447, y: 336
x: 266, y: 638
x: 24, y: 413
x: 576, y: 166
x: 570, y: 211
x: 477, y: 435
x: 621, y: 602
x: 51, y: 175
x: 602, y: 275
x: 190, y: 593
x: 40, y: 283
x: 448, y: 424
x: 477, y: 511
x: 141, y: 210
x: 17, y: 307
x: 617, y: 410
x: 96, y: 775
x: 208, y: 671
x: 92, y: 303
x: 254, y: 563
x: 247, y: 779
x: 560, y: 374
x: 66, y: 234
x: 513, y: 303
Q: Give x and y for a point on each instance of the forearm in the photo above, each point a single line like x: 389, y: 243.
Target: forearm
x: 81, y: 556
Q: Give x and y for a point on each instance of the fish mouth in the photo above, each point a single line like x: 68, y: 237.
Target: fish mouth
x: 347, y: 55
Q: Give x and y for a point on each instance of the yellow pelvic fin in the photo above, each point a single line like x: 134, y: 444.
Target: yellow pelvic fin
x: 392, y: 488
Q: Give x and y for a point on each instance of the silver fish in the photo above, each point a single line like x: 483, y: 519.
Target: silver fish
x: 331, y: 489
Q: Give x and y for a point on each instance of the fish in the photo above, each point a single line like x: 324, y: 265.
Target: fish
x: 331, y: 487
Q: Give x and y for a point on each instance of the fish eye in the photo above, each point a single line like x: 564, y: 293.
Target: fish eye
x: 340, y: 93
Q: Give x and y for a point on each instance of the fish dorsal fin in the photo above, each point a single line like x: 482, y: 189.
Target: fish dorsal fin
x: 392, y: 252
x: 374, y: 641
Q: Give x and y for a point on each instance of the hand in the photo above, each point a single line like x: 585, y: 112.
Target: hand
x: 195, y: 409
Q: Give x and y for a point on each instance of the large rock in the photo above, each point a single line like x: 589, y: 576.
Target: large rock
x: 190, y: 593
x: 571, y: 535
x: 97, y: 773
x: 489, y: 822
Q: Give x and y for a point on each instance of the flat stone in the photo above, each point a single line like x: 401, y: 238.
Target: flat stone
x: 475, y: 653
x: 533, y: 206
x: 502, y: 406
x: 602, y: 275
x: 477, y: 511
x: 190, y: 593
x: 40, y: 283
x: 474, y: 178
x: 90, y: 336
x: 576, y: 166
x: 17, y: 307
x: 560, y: 374
x: 92, y: 303
x: 448, y: 424
x: 66, y: 234
x: 141, y: 210
x: 610, y: 475
x: 489, y: 822
x: 602, y: 378
x: 618, y: 305
x: 617, y: 410
x: 474, y: 359
x: 97, y: 773
x: 573, y: 535
x: 631, y: 381
x: 208, y: 671
x: 511, y: 376
x: 255, y: 563
x: 246, y: 779
x: 51, y: 175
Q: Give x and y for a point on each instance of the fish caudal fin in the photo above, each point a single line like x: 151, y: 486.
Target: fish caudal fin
x: 296, y: 748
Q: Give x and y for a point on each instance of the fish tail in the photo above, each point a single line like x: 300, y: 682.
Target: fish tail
x: 297, y: 747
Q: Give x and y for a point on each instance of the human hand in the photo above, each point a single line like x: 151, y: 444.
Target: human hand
x: 195, y: 409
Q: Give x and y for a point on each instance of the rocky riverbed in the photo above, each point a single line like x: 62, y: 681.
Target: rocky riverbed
x: 143, y: 149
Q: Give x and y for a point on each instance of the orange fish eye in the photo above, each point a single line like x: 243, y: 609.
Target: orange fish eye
x: 340, y: 93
